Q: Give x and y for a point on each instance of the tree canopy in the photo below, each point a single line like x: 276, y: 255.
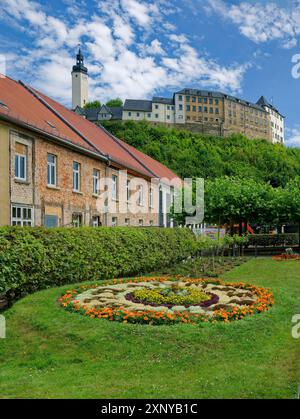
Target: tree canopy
x: 92, y: 105
x: 195, y: 155
x: 114, y: 102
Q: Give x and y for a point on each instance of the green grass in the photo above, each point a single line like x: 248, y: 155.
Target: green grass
x: 52, y: 353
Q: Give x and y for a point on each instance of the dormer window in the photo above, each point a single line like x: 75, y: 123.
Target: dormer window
x: 3, y: 105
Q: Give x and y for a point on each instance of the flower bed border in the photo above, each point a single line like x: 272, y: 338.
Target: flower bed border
x: 285, y: 256
x: 264, y: 301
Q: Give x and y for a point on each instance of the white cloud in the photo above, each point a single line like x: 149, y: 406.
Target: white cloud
x: 261, y: 22
x: 293, y: 136
x: 131, y: 49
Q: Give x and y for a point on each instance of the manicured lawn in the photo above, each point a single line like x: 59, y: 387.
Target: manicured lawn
x: 52, y: 353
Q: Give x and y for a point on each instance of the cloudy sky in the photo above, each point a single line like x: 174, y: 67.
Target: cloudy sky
x: 138, y: 48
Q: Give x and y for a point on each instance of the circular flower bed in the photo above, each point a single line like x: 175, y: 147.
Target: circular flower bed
x: 168, y: 300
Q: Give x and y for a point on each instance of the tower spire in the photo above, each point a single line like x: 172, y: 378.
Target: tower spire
x: 80, y: 86
x: 79, y: 66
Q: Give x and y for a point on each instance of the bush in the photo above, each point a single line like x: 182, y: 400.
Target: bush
x: 36, y: 258
x: 273, y: 239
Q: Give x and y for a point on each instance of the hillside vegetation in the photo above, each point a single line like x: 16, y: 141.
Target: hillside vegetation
x: 196, y: 155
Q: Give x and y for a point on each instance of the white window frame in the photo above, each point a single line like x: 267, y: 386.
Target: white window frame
x: 21, y: 221
x: 96, y: 181
x: 76, y: 177
x: 128, y: 192
x: 140, y: 195
x: 114, y: 188
x: 76, y: 220
x: 96, y: 221
x: 18, y: 158
x: 114, y: 221
x: 51, y: 166
x: 151, y: 198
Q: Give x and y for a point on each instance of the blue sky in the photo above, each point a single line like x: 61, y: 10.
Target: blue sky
x: 137, y: 48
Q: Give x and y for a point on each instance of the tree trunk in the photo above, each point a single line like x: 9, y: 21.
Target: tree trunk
x: 241, y: 228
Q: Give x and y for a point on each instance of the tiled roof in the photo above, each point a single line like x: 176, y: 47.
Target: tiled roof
x: 92, y: 113
x: 24, y: 108
x: 163, y: 100
x: 262, y: 101
x: 138, y: 105
x: 36, y: 111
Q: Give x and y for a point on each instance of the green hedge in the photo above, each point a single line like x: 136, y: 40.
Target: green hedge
x: 273, y: 239
x: 36, y: 258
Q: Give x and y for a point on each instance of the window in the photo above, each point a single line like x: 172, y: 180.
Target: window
x: 140, y: 195
x: 141, y: 223
x: 211, y: 110
x: 96, y: 182
x: 217, y: 111
x: 114, y: 221
x: 151, y: 223
x: 168, y: 107
x: 188, y: 98
x: 188, y: 108
x: 180, y: 97
x: 210, y: 101
x: 156, y: 115
x: 128, y: 190
x: 76, y: 176
x: 205, y: 109
x: 137, y: 114
x: 156, y: 106
x: 51, y: 170
x: 200, y: 108
x: 149, y: 115
x: 168, y: 116
x: 216, y: 101
x: 193, y: 99
x: 96, y: 221
x: 205, y: 100
x: 21, y: 216
x: 180, y: 107
x: 77, y: 220
x: 199, y: 99
x: 114, y: 192
x: 151, y: 198
x: 51, y: 221
x: 194, y: 108
x: 129, y: 113
x: 127, y: 222
x: 21, y: 165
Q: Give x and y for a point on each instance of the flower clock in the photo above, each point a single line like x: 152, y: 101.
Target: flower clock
x: 168, y: 300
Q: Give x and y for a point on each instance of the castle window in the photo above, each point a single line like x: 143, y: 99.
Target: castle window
x: 21, y: 216
x: 96, y: 182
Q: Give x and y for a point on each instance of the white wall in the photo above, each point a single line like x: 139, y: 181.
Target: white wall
x: 277, y: 126
x: 179, y: 114
x: 80, y: 89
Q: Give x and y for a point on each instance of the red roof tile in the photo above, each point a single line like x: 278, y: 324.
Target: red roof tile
x: 29, y: 106
x: 22, y: 106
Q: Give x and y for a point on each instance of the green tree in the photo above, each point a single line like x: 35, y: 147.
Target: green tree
x: 196, y: 155
x: 114, y: 102
x: 92, y: 105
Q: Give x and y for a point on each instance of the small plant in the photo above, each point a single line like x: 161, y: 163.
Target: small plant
x: 174, y: 295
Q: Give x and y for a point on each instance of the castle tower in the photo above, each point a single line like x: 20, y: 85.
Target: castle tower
x: 80, y: 82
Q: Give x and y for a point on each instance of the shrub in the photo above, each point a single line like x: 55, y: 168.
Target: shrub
x: 273, y: 239
x: 36, y: 258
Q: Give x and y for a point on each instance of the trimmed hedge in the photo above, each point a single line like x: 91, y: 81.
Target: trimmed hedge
x: 36, y: 258
x: 267, y: 240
